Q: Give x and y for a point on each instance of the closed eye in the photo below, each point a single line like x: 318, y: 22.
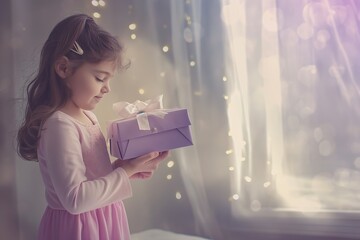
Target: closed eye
x: 99, y: 80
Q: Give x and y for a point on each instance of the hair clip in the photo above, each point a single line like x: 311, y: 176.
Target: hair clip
x: 77, y: 49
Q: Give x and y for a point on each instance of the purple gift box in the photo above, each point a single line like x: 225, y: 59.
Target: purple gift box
x: 170, y: 132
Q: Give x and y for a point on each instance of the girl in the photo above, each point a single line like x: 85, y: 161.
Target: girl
x: 84, y: 191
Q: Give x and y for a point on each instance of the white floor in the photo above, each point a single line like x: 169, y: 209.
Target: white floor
x: 157, y: 234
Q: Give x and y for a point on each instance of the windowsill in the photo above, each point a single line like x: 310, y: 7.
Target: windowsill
x: 290, y: 221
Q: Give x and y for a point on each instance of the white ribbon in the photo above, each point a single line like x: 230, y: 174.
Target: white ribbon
x: 141, y: 110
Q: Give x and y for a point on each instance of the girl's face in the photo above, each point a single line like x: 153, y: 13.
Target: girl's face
x: 90, y: 83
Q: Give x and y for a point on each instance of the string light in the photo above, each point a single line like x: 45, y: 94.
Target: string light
x: 267, y: 184
x: 229, y: 151
x: 236, y: 196
x: 102, y: 3
x: 165, y: 48
x: 133, y: 36
x: 178, y: 195
x: 132, y: 26
x: 169, y: 177
x: 188, y: 19
x: 94, y: 3
x: 192, y: 63
x: 224, y: 78
x: 226, y: 97
x: 170, y: 164
x: 229, y: 134
x: 141, y: 91
x: 231, y: 168
x: 248, y: 179
x: 96, y: 15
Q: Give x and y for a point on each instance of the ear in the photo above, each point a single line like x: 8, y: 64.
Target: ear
x: 62, y: 67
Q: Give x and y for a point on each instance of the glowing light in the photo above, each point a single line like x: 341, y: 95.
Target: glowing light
x: 169, y: 177
x: 305, y: 31
x: 248, y: 179
x: 102, y: 3
x: 226, y: 97
x: 141, y: 91
x: 170, y: 164
x: 165, y: 48
x: 188, y: 36
x: 255, y: 205
x: 229, y: 151
x: 133, y: 36
x: 236, y: 196
x: 188, y: 19
x: 315, y: 13
x: 307, y: 75
x: 132, y: 26
x: 94, y: 3
x: 323, y: 36
x: 231, y: 168
x: 97, y: 15
x: 192, y: 63
x: 178, y: 195
x: 229, y: 134
x: 267, y: 184
x: 243, y: 159
x: 224, y: 78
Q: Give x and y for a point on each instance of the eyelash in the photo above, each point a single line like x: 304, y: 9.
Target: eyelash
x: 99, y: 80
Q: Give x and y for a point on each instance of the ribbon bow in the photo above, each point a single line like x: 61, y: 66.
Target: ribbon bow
x: 141, y: 110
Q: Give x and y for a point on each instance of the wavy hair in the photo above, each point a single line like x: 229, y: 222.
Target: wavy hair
x: 47, y: 92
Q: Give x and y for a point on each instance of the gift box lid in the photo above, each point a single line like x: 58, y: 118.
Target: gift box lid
x: 129, y: 129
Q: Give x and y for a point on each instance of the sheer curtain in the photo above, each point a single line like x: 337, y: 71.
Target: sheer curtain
x: 271, y: 88
x: 293, y: 112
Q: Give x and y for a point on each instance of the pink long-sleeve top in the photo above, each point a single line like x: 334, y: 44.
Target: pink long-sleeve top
x: 76, y: 167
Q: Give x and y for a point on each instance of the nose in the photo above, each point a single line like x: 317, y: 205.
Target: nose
x: 106, y: 88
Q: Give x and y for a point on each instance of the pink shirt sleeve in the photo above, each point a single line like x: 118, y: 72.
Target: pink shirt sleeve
x: 65, y: 165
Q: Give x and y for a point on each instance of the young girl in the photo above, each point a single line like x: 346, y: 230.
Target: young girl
x: 83, y: 189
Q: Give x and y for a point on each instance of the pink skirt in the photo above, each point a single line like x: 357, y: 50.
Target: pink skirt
x: 106, y: 223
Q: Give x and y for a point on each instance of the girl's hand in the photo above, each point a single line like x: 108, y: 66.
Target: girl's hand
x: 141, y: 167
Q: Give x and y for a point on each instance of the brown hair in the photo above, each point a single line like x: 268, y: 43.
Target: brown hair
x: 46, y: 93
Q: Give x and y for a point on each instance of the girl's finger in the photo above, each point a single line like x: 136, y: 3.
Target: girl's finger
x: 147, y: 157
